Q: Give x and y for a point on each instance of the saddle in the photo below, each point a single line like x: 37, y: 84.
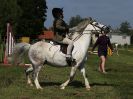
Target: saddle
x: 63, y: 47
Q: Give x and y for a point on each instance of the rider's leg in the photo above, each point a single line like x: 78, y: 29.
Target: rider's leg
x: 70, y: 46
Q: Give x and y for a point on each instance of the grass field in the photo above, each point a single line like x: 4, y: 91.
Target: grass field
x: 116, y: 84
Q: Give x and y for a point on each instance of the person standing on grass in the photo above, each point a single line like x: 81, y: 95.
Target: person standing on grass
x: 103, y: 42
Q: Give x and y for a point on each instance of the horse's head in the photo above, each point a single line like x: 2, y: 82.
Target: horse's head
x: 97, y: 28
x: 87, y: 26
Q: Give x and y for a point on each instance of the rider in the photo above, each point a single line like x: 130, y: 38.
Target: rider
x: 61, y: 29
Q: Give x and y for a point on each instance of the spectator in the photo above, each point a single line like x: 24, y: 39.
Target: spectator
x: 103, y: 42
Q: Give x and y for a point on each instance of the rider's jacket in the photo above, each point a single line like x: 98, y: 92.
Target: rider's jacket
x: 60, y: 29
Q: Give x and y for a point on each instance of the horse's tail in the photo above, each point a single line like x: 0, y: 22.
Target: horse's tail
x: 20, y: 53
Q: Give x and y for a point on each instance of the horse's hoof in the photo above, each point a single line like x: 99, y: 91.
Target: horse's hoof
x: 31, y: 85
x: 88, y: 89
x: 62, y: 88
x: 40, y: 88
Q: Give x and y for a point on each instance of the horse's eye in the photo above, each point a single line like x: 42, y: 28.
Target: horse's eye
x: 96, y: 23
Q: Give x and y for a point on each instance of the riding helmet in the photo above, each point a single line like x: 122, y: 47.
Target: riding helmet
x: 57, y: 11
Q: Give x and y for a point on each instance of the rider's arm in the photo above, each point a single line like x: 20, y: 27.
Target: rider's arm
x: 60, y: 25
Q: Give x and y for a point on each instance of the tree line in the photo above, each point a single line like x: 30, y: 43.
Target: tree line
x: 124, y: 28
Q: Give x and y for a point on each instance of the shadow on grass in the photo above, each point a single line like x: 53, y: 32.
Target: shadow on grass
x: 50, y: 83
x: 110, y: 70
x: 102, y: 84
x: 76, y: 84
x: 5, y: 82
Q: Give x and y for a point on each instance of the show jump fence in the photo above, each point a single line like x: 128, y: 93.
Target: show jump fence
x: 10, y: 42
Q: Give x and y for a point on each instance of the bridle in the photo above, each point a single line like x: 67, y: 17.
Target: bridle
x: 94, y: 26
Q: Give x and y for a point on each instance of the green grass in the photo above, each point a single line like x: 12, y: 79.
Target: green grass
x: 117, y: 84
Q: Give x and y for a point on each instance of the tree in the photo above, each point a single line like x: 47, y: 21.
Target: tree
x: 75, y: 20
x: 26, y: 16
x: 125, y: 27
x: 9, y: 12
x: 33, y: 16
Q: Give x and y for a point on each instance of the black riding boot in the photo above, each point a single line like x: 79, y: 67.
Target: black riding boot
x: 71, y: 61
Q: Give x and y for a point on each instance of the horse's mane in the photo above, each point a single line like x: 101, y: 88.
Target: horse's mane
x: 77, y: 30
x: 81, y: 26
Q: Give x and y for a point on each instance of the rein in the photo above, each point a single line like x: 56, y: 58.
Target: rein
x: 76, y: 38
x: 80, y: 34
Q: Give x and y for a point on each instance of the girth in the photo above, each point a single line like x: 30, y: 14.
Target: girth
x: 63, y: 47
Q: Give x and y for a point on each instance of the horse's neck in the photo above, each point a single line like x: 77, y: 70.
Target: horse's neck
x: 84, y: 41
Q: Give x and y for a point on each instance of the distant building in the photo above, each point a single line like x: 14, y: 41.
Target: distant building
x: 121, y: 39
x: 47, y: 35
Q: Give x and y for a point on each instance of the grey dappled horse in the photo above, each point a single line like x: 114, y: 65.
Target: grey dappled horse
x: 43, y: 52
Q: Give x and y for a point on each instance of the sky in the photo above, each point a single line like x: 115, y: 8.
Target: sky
x: 108, y: 12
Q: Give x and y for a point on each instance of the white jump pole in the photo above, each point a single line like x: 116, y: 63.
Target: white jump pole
x: 9, y: 43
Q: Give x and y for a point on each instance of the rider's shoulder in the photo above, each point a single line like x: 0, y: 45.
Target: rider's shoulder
x: 59, y: 20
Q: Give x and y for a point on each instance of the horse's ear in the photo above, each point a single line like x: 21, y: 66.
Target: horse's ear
x: 90, y: 19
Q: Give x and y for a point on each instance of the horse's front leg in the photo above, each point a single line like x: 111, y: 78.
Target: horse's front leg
x: 82, y: 70
x: 72, y: 74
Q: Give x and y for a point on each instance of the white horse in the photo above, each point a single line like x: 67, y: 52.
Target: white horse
x: 43, y: 52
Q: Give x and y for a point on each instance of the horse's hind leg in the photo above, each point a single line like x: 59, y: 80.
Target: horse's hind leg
x: 72, y: 74
x: 28, y: 71
x: 37, y: 68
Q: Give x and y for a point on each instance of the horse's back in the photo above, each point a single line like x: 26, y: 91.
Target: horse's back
x: 44, y: 51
